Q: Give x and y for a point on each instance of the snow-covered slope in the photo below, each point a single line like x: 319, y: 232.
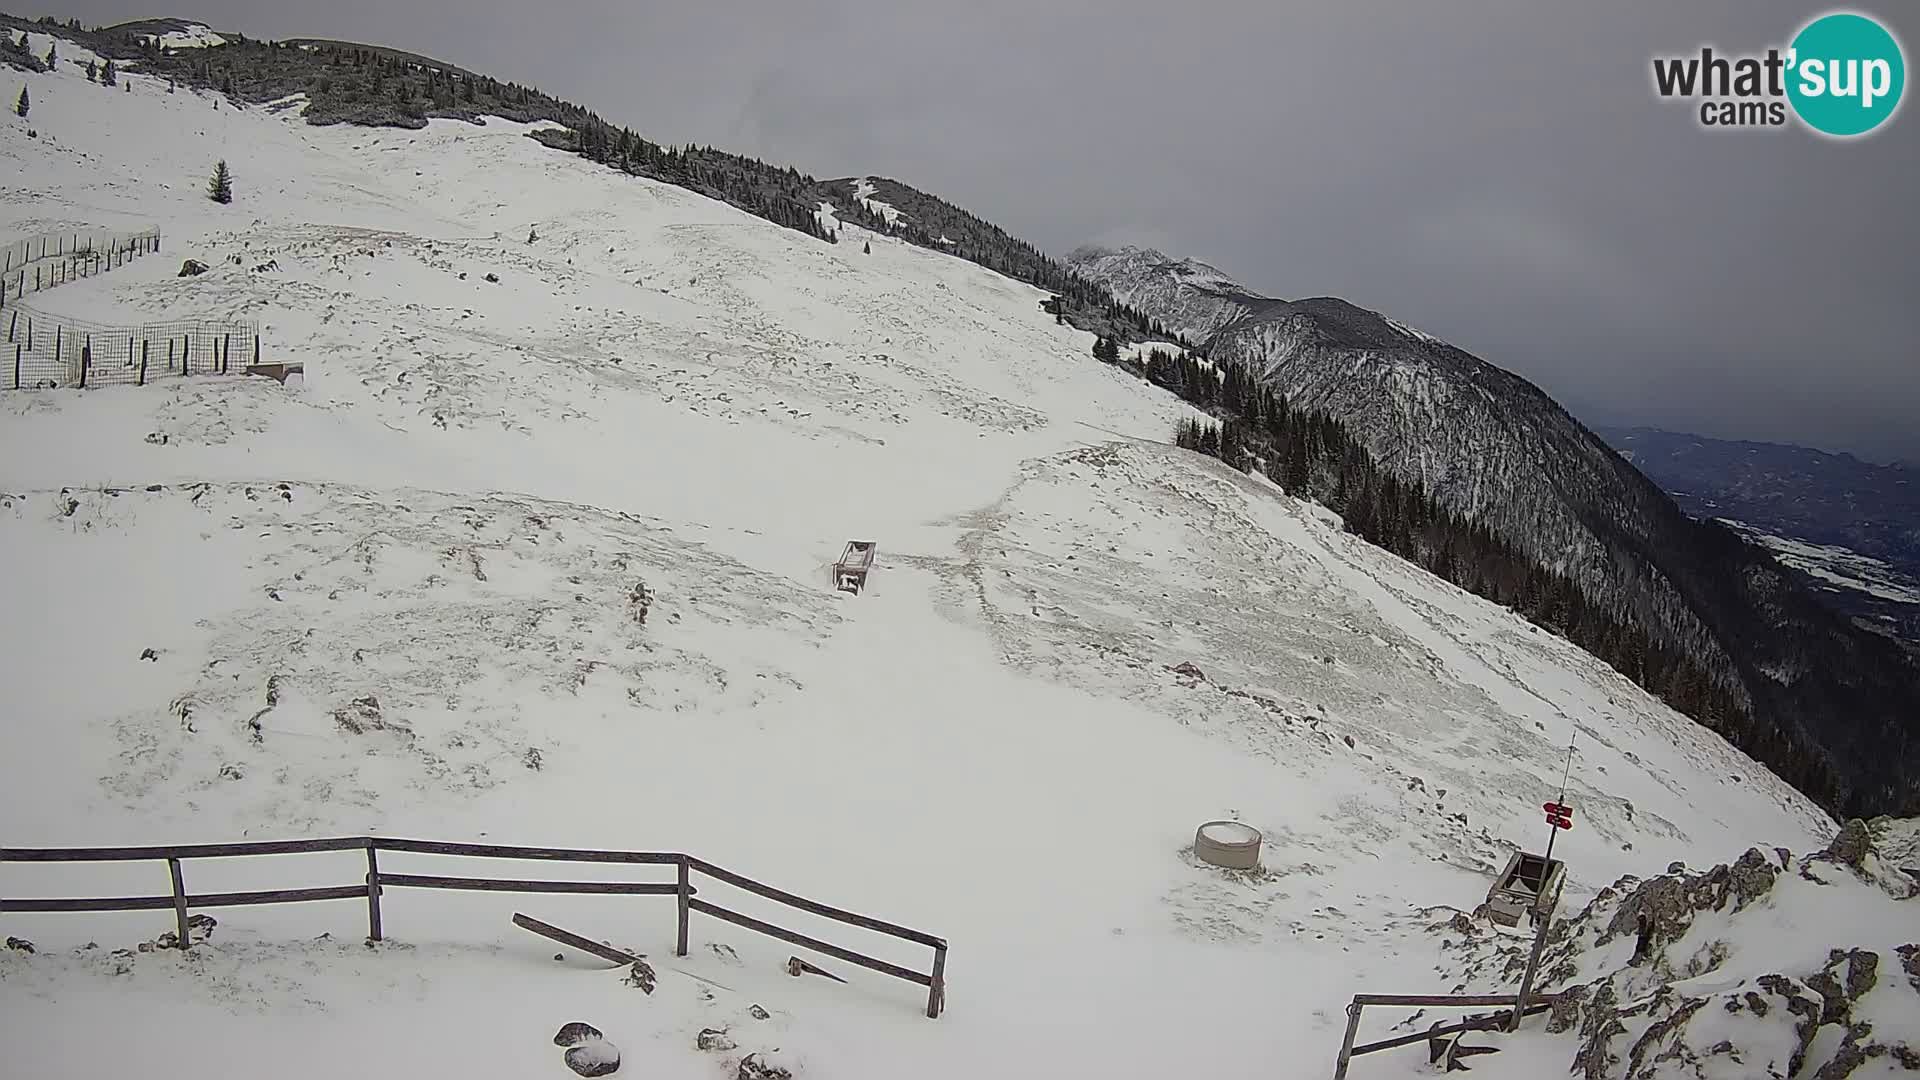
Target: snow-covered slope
x: 1822, y: 701
x: 405, y: 595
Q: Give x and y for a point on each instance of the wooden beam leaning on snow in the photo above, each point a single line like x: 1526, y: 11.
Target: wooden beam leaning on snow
x: 567, y: 937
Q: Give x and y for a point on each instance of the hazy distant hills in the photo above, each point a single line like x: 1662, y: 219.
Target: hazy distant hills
x: 1851, y: 525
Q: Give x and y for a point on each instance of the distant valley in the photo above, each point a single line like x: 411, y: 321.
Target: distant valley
x: 1850, y: 526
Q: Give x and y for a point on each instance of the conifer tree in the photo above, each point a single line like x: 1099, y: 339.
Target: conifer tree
x: 21, y: 106
x: 865, y: 249
x: 93, y: 71
x: 220, y: 189
x: 53, y: 54
x: 108, y: 74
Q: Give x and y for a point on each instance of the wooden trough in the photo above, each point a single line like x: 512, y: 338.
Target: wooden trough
x: 1528, y: 888
x: 850, y: 573
x: 277, y: 371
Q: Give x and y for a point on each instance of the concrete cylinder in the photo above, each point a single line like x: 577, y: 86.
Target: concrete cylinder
x: 1233, y: 845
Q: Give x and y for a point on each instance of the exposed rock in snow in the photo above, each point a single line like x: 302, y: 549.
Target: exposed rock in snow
x: 1768, y: 966
x: 754, y: 1067
x: 593, y: 1057
x: 576, y: 1032
x: 641, y: 976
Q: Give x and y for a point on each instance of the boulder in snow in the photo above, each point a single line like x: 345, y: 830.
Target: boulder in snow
x: 575, y: 1033
x: 640, y: 975
x: 595, y: 1057
x: 752, y: 1068
x: 192, y: 268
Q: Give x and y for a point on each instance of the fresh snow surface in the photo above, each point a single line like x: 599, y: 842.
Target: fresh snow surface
x: 1838, y: 566
x: 1137, y: 352
x: 452, y: 515
x: 863, y: 190
x: 194, y: 36
x: 1417, y: 335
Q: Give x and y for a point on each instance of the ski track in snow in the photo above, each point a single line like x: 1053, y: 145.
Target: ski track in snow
x: 451, y: 514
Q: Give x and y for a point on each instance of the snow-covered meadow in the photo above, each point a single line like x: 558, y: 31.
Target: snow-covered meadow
x: 454, y: 512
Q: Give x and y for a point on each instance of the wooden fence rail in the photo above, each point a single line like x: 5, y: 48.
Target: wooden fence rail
x: 377, y: 881
x: 1348, y: 1051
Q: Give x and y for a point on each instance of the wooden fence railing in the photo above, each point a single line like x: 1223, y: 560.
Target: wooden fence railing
x: 1511, y: 1002
x: 376, y: 881
x: 65, y: 257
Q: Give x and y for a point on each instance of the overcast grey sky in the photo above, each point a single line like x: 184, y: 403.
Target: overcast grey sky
x: 1497, y: 172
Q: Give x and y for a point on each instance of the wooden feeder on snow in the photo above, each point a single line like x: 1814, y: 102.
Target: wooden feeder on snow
x: 1530, y: 886
x: 850, y: 573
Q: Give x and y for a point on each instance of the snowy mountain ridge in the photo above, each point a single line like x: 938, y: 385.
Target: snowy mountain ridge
x: 1189, y: 296
x: 536, y: 552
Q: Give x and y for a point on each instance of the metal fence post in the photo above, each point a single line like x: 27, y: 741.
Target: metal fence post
x: 1533, y: 961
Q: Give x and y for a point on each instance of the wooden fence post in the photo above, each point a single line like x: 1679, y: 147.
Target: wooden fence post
x: 143, y: 362
x: 12, y: 323
x: 226, y: 353
x: 937, y: 991
x: 170, y: 356
x: 86, y: 360
x: 373, y: 891
x: 16, y: 365
x: 1346, y: 1045
x: 256, y: 348
x: 680, y: 943
x: 179, y: 902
